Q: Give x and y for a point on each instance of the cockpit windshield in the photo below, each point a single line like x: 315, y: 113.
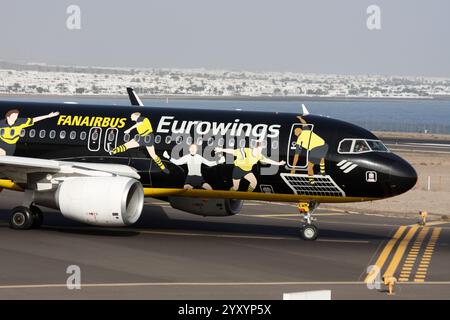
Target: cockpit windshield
x: 377, y: 145
x: 361, y: 146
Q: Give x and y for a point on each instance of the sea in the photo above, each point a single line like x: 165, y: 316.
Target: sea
x: 398, y: 115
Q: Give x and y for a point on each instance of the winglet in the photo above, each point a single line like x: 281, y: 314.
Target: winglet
x: 305, y: 111
x: 134, y: 99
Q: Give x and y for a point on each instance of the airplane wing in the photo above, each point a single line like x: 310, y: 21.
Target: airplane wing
x: 24, y: 170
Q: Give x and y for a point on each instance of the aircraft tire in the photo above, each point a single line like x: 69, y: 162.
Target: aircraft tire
x: 309, y: 232
x: 21, y: 218
x: 38, y: 216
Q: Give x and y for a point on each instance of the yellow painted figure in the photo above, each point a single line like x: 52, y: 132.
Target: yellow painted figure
x: 246, y: 158
x: 145, y: 138
x: 11, y: 128
x: 315, y: 147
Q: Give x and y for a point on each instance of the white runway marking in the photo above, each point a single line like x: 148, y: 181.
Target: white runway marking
x: 420, y: 151
x: 175, y: 284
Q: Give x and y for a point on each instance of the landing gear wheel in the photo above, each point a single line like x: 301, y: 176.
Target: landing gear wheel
x: 38, y: 216
x: 21, y: 218
x: 309, y: 232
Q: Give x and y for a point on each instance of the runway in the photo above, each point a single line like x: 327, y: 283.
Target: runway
x: 257, y: 254
x: 417, y: 145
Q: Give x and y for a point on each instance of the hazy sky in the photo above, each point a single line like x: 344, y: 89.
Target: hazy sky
x: 301, y: 36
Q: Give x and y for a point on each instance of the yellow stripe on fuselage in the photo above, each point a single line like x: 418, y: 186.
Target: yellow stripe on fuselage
x: 224, y: 194
x: 244, y: 195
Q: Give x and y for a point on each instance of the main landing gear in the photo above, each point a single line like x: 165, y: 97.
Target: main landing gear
x: 308, y: 230
x: 24, y: 218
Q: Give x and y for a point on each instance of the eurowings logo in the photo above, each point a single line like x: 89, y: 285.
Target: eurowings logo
x: 168, y: 124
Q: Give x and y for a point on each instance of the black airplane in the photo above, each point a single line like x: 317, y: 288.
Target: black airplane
x: 97, y: 163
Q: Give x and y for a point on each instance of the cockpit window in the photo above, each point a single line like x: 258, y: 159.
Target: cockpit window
x: 345, y: 146
x: 361, y: 146
x: 377, y: 145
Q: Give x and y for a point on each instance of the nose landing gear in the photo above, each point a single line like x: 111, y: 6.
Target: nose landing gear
x: 308, y: 230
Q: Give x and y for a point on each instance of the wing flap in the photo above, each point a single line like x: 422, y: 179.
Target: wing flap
x: 17, y: 169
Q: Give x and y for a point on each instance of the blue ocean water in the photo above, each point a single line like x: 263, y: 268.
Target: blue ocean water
x: 384, y: 115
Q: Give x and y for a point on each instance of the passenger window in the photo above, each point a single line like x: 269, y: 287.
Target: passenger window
x: 168, y: 139
x: 22, y: 133
x: 252, y: 143
x: 148, y: 138
x: 73, y: 135
x: 199, y: 141
x: 345, y: 146
x: 221, y: 142
x: 179, y: 139
x: 158, y: 139
x: 126, y: 137
x: 231, y: 142
x: 189, y: 140
x: 210, y: 141
x: 242, y: 143
x: 83, y: 135
x: 111, y: 136
x: 62, y: 135
x: 52, y: 134
x: 2, y: 132
x: 42, y: 134
x: 275, y: 144
x: 32, y: 133
x: 361, y: 146
x: 264, y: 143
x: 137, y: 137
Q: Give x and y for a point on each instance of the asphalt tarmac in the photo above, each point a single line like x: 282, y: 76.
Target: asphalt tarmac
x: 417, y: 145
x: 257, y: 254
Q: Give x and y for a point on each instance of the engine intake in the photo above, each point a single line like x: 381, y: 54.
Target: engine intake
x: 100, y: 201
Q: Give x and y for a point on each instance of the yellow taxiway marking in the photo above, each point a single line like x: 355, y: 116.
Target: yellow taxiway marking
x: 212, y: 235
x: 324, y: 222
x: 295, y: 215
x: 412, y: 255
x: 390, y: 271
x: 425, y: 262
x: 370, y: 278
x: 433, y: 223
x: 192, y: 234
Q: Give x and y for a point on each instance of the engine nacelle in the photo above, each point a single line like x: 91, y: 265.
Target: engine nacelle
x: 100, y: 201
x: 207, y: 207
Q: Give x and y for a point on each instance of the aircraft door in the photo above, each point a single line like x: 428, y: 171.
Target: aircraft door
x: 111, y: 135
x: 297, y: 158
x: 94, y: 139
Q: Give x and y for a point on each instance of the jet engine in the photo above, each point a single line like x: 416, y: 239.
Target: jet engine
x: 207, y: 207
x: 100, y: 201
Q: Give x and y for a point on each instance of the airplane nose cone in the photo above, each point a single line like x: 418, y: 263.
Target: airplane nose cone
x: 403, y: 177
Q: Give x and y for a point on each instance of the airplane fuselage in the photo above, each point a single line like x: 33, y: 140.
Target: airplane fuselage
x: 326, y: 160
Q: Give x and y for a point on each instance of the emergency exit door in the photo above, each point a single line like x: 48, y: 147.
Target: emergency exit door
x: 302, y: 161
x: 110, y: 140
x: 94, y: 139
x: 100, y: 138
